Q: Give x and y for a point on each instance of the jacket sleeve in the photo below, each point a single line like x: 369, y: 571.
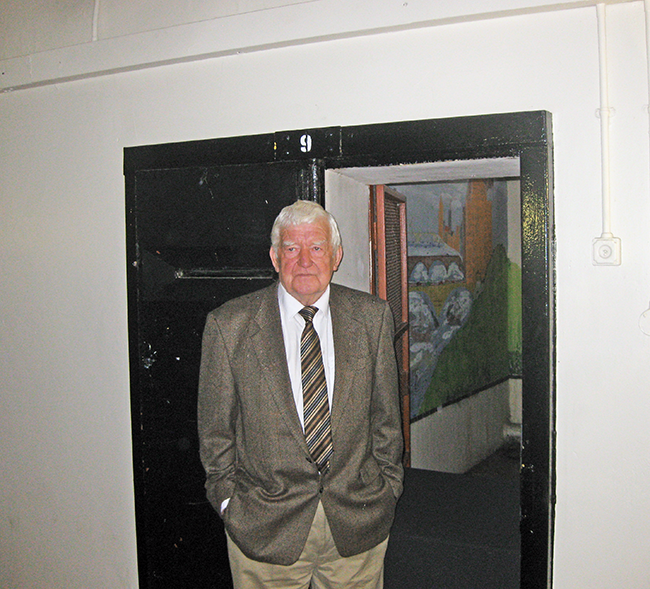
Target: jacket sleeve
x: 217, y: 415
x: 387, y: 438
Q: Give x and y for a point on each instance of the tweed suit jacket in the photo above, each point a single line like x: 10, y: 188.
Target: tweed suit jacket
x: 252, y: 444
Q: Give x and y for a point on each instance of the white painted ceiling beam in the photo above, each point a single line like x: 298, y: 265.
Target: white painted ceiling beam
x: 283, y: 26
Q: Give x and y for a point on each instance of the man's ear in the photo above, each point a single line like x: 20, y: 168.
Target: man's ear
x: 274, y: 260
x: 338, y: 256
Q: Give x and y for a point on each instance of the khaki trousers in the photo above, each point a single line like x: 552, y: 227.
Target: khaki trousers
x: 320, y: 565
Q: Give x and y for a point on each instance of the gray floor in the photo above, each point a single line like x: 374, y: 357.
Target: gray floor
x: 504, y: 463
x: 458, y: 531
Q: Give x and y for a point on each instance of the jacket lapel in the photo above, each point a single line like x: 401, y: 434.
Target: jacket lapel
x: 268, y: 343
x: 348, y: 333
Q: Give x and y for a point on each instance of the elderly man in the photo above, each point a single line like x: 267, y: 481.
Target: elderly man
x: 299, y: 419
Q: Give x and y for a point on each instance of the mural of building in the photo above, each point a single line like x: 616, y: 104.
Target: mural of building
x: 478, y: 233
x: 450, y: 234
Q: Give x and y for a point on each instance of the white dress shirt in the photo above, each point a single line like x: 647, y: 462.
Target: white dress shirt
x: 292, y: 327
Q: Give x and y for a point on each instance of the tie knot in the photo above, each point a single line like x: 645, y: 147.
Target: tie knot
x: 308, y: 313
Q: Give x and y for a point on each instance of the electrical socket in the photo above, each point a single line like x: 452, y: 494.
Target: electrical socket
x: 607, y: 251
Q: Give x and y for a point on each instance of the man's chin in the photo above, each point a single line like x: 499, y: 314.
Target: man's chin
x: 308, y: 290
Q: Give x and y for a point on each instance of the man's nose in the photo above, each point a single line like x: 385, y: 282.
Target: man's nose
x: 304, y: 258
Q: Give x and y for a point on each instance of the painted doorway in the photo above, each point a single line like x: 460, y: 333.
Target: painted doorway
x: 464, y: 264
x: 463, y: 272
x: 447, y: 434
x: 163, y: 441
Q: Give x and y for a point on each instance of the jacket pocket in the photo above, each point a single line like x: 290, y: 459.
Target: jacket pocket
x: 369, y: 472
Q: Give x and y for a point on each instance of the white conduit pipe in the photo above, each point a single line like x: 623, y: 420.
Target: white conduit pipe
x: 95, y: 19
x: 606, y: 248
x: 646, y: 5
x: 644, y: 320
x: 605, y: 114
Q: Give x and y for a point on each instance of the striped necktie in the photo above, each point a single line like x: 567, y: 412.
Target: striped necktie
x: 318, y: 431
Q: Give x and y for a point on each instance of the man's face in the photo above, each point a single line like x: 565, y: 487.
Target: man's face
x: 305, y: 260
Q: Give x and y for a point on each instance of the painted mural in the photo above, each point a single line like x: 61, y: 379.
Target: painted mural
x: 464, y: 267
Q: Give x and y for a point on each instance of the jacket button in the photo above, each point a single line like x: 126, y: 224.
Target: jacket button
x: 320, y: 489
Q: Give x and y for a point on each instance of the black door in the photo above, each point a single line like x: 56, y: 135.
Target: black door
x: 198, y: 236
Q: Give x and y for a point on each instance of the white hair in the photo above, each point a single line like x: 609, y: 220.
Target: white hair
x: 304, y: 211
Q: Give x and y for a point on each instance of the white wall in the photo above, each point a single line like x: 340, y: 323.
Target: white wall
x: 66, y: 505
x: 349, y: 202
x: 461, y: 435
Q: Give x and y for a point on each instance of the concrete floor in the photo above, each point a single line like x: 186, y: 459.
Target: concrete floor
x: 505, y: 462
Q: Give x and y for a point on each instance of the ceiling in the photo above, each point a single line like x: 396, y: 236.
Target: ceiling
x: 449, y: 171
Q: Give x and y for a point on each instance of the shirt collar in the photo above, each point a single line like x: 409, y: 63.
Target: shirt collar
x: 291, y: 306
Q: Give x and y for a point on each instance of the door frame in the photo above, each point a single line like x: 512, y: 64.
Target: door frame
x: 383, y: 282
x: 524, y: 135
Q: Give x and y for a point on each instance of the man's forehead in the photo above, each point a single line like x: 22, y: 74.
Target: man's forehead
x: 292, y: 231
x: 314, y: 241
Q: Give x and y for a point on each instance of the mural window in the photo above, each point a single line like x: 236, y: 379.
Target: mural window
x: 464, y: 284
